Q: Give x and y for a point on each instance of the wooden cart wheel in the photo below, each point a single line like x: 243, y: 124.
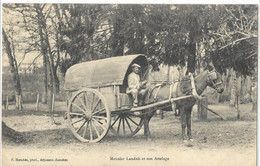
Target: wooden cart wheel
x: 126, y: 124
x: 88, y: 115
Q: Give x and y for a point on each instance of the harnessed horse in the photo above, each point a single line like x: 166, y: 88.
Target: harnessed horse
x: 187, y: 86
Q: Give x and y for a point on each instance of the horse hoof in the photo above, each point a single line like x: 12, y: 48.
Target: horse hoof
x: 185, y: 141
x: 149, y: 139
x: 191, y: 140
x: 189, y: 145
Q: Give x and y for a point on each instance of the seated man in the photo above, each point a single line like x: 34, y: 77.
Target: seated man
x: 135, y: 86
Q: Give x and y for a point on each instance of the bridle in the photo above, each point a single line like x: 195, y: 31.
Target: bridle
x: 212, y: 77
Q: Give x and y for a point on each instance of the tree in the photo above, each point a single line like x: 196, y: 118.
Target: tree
x: 78, y: 26
x: 14, y: 70
x: 235, y: 40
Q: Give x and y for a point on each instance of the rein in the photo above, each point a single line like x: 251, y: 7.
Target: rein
x: 194, y: 91
x: 173, y: 86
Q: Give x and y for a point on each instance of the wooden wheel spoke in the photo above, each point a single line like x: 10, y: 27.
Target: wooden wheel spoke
x: 124, y: 125
x: 85, y: 100
x: 84, y: 132
x: 77, y: 121
x: 74, y: 113
x: 90, y: 130
x: 96, y: 129
x: 100, y: 124
x: 119, y: 125
x: 88, y: 115
x: 96, y: 105
x: 92, y: 100
x: 132, y: 120
x: 128, y: 125
x: 98, y: 121
x: 81, y: 127
x: 99, y: 117
x: 94, y: 113
x: 82, y: 102
x: 115, y: 121
x: 78, y: 107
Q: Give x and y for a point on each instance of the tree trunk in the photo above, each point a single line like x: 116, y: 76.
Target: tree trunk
x: 228, y: 83
x: 56, y: 83
x: 238, y: 95
x: 14, y: 70
x: 50, y: 60
x: 231, y: 87
x: 191, y: 59
x: 202, y: 111
x: 168, y: 73
x: 44, y: 95
x: 44, y: 49
x: 254, y: 97
x: 192, y: 54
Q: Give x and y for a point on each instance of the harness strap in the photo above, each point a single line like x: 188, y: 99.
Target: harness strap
x: 194, y: 91
x: 155, y: 96
x: 173, y: 90
x: 151, y: 89
x: 173, y: 94
x: 170, y: 95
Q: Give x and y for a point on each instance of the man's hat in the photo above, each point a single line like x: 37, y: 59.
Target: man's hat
x: 136, y: 65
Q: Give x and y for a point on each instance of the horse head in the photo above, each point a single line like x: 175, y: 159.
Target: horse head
x: 214, y: 79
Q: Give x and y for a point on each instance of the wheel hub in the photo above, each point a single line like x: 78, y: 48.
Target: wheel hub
x: 88, y: 114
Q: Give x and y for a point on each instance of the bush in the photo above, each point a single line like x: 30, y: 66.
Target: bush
x: 224, y: 97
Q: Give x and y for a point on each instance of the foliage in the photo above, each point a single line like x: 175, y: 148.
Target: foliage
x: 235, y: 40
x: 169, y: 34
x: 78, y: 24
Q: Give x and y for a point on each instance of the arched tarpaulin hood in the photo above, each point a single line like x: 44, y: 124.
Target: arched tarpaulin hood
x: 103, y: 72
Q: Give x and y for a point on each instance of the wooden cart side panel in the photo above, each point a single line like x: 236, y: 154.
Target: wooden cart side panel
x: 110, y: 95
x: 115, y: 99
x: 126, y: 100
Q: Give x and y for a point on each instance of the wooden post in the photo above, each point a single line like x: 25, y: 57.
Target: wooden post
x: 238, y: 94
x: 7, y: 103
x: 202, y: 111
x: 19, y: 102
x: 161, y: 114
x: 237, y: 106
x: 37, y: 102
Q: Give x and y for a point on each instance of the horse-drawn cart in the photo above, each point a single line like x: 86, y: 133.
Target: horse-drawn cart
x: 98, y: 101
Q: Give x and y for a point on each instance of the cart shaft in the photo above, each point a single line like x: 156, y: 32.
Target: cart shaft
x: 159, y: 103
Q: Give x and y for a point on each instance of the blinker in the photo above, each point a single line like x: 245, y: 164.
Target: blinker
x: 213, y: 75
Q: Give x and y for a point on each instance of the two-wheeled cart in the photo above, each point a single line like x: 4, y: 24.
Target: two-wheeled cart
x: 98, y: 101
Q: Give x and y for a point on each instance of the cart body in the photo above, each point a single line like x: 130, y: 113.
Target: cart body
x: 108, y: 76
x: 97, y: 100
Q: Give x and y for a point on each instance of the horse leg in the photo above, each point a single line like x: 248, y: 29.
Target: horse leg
x: 188, y: 119
x: 147, y: 118
x: 183, y: 122
x: 145, y: 126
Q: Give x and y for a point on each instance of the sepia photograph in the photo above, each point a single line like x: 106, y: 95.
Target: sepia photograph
x: 125, y: 84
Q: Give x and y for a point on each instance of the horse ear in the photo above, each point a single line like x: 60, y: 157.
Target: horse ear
x: 210, y: 66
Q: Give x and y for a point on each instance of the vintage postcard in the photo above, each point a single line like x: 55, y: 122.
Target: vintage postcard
x: 106, y: 84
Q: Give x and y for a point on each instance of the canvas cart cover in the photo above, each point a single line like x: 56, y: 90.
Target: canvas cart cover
x: 104, y: 72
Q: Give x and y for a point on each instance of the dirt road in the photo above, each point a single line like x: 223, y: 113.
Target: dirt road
x: 216, y: 142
